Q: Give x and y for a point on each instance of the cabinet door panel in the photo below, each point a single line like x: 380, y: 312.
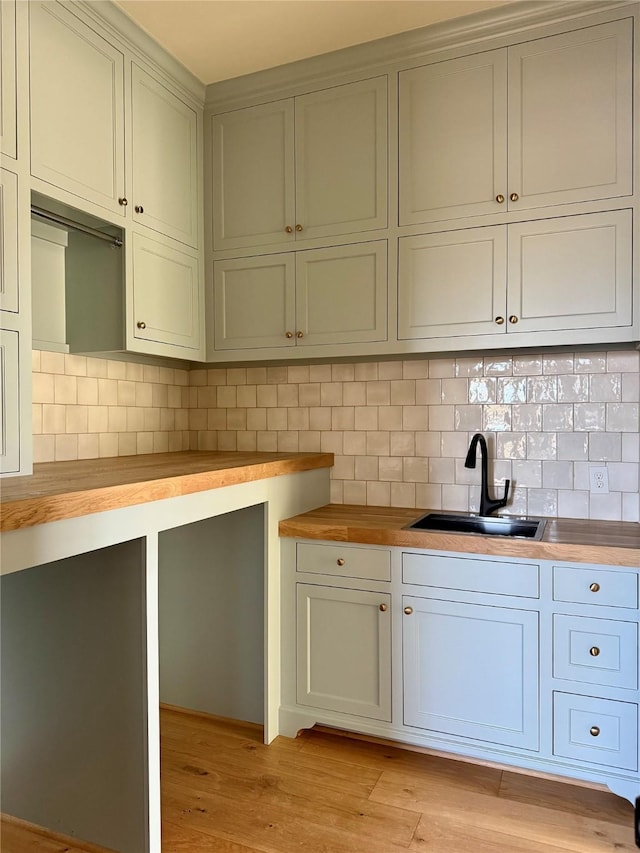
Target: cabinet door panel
x: 253, y: 176
x: 341, y: 294
x: 8, y: 100
x: 453, y: 150
x: 254, y: 302
x: 9, y: 275
x: 570, y: 116
x: 341, y: 159
x: 571, y: 273
x: 77, y: 135
x: 9, y: 403
x: 452, y: 284
x: 344, y: 650
x: 166, y: 294
x: 493, y: 652
x: 165, y: 160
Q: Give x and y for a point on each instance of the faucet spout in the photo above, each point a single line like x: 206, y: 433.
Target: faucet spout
x: 487, y: 505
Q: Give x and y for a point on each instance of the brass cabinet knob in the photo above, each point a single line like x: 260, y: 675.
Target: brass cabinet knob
x: 141, y: 324
x: 499, y: 320
x: 383, y: 608
x: 594, y: 731
x: 289, y: 229
x: 594, y: 587
x: 298, y: 227
x: 340, y: 561
x: 408, y: 611
x: 289, y: 334
x: 299, y: 334
x: 594, y: 651
x: 513, y: 319
x: 500, y: 198
x: 514, y: 197
x: 139, y: 208
x: 123, y: 202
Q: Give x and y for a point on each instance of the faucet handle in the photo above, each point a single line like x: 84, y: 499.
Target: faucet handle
x: 507, y: 483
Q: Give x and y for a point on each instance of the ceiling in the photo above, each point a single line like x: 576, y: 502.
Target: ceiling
x: 220, y: 39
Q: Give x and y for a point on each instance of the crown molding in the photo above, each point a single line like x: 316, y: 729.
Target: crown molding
x: 376, y: 56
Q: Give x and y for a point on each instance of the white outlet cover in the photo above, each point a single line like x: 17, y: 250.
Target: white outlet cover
x: 599, y: 480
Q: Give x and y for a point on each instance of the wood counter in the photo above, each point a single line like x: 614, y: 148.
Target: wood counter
x: 615, y: 543
x: 59, y: 490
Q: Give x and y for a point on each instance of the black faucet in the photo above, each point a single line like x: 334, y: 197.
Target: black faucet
x: 487, y: 506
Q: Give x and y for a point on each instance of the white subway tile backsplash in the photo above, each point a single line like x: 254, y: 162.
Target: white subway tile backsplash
x: 573, y: 446
x: 623, y: 417
x: 589, y: 417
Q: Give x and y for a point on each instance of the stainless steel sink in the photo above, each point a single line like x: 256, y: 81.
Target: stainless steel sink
x: 518, y: 528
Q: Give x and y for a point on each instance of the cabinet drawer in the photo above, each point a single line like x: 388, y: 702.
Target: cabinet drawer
x: 595, y: 586
x: 464, y: 573
x: 599, y: 731
x: 596, y: 651
x: 344, y: 561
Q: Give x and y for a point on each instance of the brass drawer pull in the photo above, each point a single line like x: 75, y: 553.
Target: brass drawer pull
x: 289, y: 229
x: 500, y: 198
x: 298, y: 228
x: 594, y: 731
x: 513, y: 319
x: 594, y: 587
x: 288, y: 334
x: 141, y: 324
x: 340, y: 561
x: 408, y: 611
x: 594, y: 651
x: 514, y: 197
x: 123, y: 202
x: 383, y: 608
x: 499, y: 320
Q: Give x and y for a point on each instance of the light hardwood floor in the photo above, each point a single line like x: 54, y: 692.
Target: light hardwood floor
x: 223, y: 791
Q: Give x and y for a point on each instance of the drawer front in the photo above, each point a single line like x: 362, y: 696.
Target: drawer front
x: 464, y: 573
x: 599, y: 731
x: 344, y: 561
x: 595, y: 586
x: 596, y: 651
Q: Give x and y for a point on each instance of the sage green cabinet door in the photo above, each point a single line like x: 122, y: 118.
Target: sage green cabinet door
x: 573, y: 272
x: 344, y: 650
x: 493, y: 652
x: 77, y: 108
x: 452, y: 138
x: 8, y: 92
x: 9, y: 402
x: 570, y: 116
x: 167, y: 300
x: 253, y: 176
x: 165, y: 189
x: 341, y: 159
x: 254, y: 302
x: 9, y: 254
x: 341, y: 294
x: 452, y: 284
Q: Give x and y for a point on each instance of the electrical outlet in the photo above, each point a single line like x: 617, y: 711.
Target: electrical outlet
x: 599, y: 480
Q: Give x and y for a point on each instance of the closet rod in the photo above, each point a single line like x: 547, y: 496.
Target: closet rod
x: 76, y: 226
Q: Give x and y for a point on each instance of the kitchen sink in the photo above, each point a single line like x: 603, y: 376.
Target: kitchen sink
x: 519, y: 528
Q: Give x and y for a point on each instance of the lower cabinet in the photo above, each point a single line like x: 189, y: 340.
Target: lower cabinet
x: 344, y: 650
x: 493, y: 654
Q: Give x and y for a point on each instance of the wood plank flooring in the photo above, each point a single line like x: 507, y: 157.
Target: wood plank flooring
x: 223, y: 791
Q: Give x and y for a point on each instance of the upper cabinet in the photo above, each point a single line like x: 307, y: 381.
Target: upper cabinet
x: 77, y: 108
x: 8, y: 94
x: 302, y: 168
x: 165, y: 184
x: 542, y: 123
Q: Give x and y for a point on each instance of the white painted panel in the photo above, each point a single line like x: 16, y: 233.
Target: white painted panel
x: 166, y: 294
x: 452, y: 284
x: 48, y: 297
x: 9, y: 254
x: 599, y: 731
x: 253, y: 176
x: 570, y: 116
x: 596, y: 586
x: 341, y: 159
x: 341, y: 294
x: 344, y: 650
x: 571, y: 273
x: 77, y: 107
x: 596, y: 651
x: 493, y: 652
x: 487, y: 576
x: 164, y: 142
x: 8, y: 79
x: 254, y: 302
x: 9, y: 402
x: 344, y: 561
x: 453, y: 146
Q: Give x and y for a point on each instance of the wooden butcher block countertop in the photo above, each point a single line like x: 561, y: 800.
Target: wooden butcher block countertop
x: 615, y: 543
x: 58, y: 490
